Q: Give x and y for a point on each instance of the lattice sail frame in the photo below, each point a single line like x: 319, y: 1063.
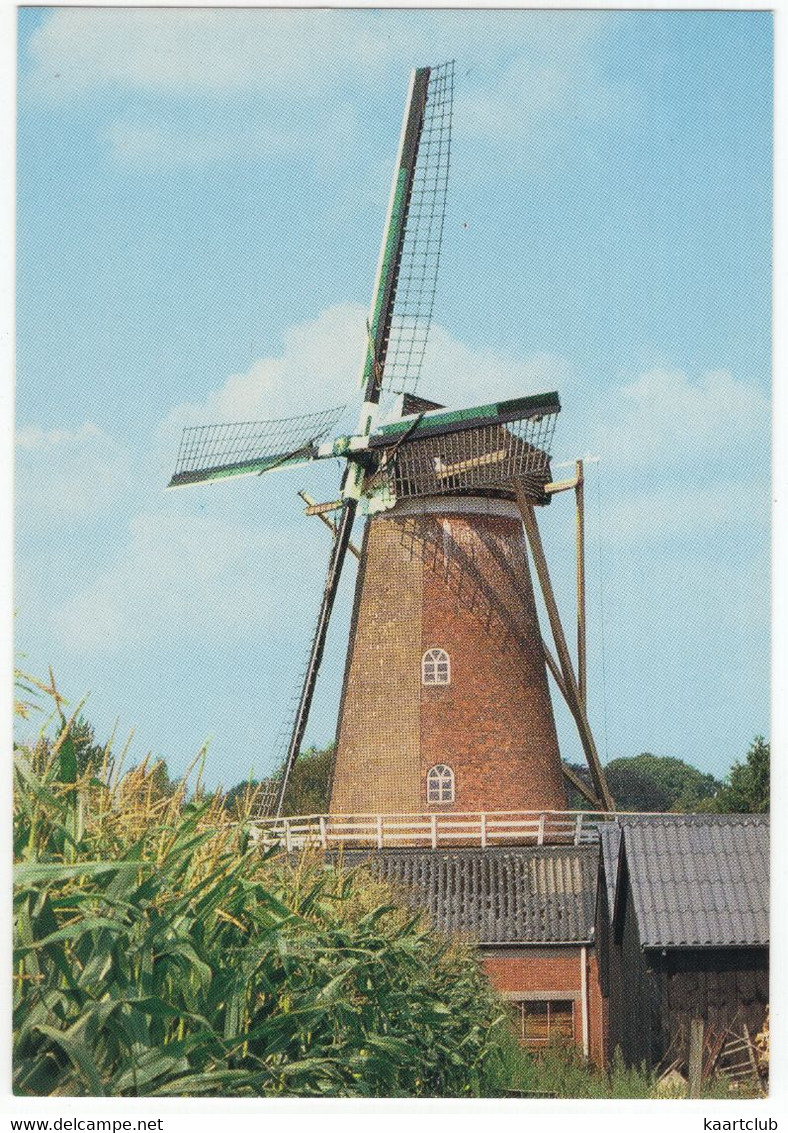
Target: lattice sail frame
x: 213, y: 452
x: 244, y: 448
x: 419, y: 262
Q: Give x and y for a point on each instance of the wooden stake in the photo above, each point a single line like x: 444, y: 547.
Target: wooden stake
x: 572, y: 694
x: 695, y: 1058
x: 552, y: 665
x: 753, y: 1059
x: 580, y: 786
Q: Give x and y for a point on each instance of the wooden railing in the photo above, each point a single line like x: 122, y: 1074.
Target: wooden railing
x: 495, y: 828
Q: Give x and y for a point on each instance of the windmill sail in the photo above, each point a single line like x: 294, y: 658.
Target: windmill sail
x: 421, y: 247
x: 414, y: 205
x: 244, y: 448
x: 494, y: 450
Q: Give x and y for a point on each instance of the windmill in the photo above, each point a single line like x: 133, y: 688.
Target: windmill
x: 445, y: 700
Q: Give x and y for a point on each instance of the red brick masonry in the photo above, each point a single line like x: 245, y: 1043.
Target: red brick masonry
x: 469, y: 593
x: 545, y: 970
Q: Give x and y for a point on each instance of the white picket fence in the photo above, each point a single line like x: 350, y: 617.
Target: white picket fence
x: 496, y: 828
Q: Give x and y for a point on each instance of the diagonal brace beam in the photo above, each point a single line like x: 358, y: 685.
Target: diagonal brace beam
x: 329, y: 523
x: 571, y: 690
x: 580, y: 786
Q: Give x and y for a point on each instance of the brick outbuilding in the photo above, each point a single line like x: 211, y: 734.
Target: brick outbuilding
x: 530, y: 910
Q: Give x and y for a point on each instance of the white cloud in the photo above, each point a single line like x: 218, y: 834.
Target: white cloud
x: 553, y: 80
x: 194, y: 573
x: 68, y: 474
x: 459, y: 375
x: 188, y: 50
x: 691, y: 513
x: 165, y: 141
x: 320, y: 363
x: 665, y: 418
x: 189, y: 576
x: 515, y: 70
x: 317, y: 368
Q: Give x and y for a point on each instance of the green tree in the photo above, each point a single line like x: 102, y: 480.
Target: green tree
x: 234, y: 798
x: 90, y: 755
x: 649, y: 782
x: 307, y: 788
x: 747, y: 788
x: 250, y: 796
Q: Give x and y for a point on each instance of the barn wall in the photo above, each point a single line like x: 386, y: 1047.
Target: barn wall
x: 543, y: 969
x: 652, y: 997
x: 633, y: 1005
x: 721, y: 986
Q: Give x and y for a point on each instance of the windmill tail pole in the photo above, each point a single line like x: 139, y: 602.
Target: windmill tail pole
x: 336, y: 561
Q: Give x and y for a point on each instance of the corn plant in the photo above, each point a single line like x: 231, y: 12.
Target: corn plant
x: 159, y: 952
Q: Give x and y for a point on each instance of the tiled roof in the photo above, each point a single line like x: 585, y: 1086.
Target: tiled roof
x: 522, y: 894
x: 699, y: 880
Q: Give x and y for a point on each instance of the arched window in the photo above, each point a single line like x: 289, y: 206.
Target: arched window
x: 440, y: 784
x: 435, y: 668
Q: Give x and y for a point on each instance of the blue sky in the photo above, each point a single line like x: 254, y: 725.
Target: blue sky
x: 200, y: 203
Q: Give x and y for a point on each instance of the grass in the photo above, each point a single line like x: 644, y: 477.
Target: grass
x: 560, y: 1072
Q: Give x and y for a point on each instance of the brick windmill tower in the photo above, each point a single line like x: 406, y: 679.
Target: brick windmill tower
x: 445, y: 704
x: 445, y: 652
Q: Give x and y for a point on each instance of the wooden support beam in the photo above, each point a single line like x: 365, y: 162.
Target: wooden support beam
x: 572, y: 695
x: 319, y: 510
x: 580, y: 786
x: 552, y: 665
x: 559, y: 486
x: 581, y: 582
x: 543, y: 574
x: 443, y: 471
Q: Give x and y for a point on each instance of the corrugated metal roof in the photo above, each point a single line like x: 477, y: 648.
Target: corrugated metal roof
x: 522, y: 894
x: 699, y: 881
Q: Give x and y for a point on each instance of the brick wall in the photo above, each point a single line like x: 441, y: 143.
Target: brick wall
x: 494, y: 723
x: 464, y: 586
x: 378, y: 741
x: 541, y: 970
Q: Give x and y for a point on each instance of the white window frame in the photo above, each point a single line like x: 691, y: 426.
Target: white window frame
x: 441, y: 777
x: 433, y: 661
